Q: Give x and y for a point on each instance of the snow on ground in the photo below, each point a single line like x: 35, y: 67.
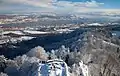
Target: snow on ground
x: 14, y: 32
x: 95, y: 24
x: 22, y: 38
x: 64, y: 30
x: 35, y: 32
x: 25, y: 38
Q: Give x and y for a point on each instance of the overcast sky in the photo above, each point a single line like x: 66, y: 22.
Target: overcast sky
x: 59, y: 6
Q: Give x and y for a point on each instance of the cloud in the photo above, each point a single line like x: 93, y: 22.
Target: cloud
x: 35, y: 3
x: 87, y: 4
x: 73, y: 7
x: 53, y: 6
x: 53, y: 3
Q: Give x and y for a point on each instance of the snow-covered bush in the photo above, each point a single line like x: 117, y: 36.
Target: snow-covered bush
x: 3, y: 74
x: 38, y: 52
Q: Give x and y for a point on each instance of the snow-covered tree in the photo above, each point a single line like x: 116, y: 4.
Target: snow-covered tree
x: 3, y: 74
x: 38, y: 52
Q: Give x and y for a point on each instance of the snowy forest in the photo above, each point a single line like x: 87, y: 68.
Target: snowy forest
x: 98, y: 49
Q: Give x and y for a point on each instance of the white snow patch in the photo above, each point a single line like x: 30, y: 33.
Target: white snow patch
x: 14, y: 32
x: 25, y: 38
x: 64, y: 30
x: 95, y: 24
x: 35, y: 32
